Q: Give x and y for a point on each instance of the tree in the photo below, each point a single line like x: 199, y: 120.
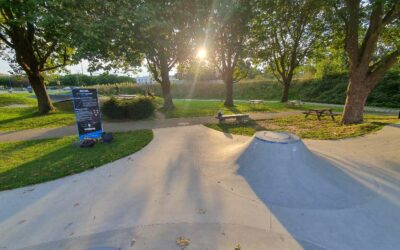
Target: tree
x: 31, y: 30
x: 105, y: 34
x: 157, y: 32
x: 284, y: 33
x: 228, y: 30
x: 372, y: 44
x: 165, y: 34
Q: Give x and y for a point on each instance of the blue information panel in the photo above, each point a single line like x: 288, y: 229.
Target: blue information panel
x: 87, y: 112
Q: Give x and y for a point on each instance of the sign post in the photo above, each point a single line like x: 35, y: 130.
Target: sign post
x: 87, y: 113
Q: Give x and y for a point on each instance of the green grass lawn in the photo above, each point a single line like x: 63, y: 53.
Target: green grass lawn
x: 309, y: 128
x: 44, y: 160
x: 197, y: 108
x: 17, y: 99
x: 14, y: 118
x: 20, y: 118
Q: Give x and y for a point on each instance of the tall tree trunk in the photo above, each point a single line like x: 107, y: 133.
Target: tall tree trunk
x: 356, y: 96
x: 365, y: 74
x: 228, y: 80
x: 285, y: 93
x: 166, y: 89
x: 44, y: 102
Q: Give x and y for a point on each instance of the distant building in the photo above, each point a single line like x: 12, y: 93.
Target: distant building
x: 150, y: 80
x: 144, y: 80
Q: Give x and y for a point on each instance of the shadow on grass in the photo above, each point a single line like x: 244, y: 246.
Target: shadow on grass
x: 20, y: 118
x: 62, y: 157
x: 245, y: 108
x: 31, y: 112
x: 64, y: 106
x: 233, y: 109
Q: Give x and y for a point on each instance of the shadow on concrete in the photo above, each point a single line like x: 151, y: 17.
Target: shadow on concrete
x: 147, y: 195
x: 330, y: 203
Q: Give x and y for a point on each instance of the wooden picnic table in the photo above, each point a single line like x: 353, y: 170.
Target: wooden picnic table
x: 319, y: 113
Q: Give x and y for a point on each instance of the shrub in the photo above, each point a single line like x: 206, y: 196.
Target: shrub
x: 112, y: 109
x: 137, y: 108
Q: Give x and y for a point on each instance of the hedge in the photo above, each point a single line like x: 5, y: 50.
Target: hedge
x: 137, y: 108
x: 330, y: 89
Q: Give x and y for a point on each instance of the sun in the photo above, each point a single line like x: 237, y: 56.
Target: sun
x: 201, y: 53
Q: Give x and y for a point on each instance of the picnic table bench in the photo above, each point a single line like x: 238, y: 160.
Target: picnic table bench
x: 256, y: 101
x: 320, y: 112
x: 238, y: 117
x: 295, y: 103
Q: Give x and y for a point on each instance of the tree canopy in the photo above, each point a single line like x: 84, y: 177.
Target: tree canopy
x: 284, y: 34
x: 34, y: 38
x: 227, y: 34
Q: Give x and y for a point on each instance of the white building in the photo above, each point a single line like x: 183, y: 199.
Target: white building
x: 144, y: 80
x: 149, y: 80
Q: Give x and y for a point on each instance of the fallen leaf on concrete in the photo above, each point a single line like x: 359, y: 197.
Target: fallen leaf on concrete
x: 182, y: 242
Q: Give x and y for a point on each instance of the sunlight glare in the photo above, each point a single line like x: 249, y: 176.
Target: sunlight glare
x: 202, y: 53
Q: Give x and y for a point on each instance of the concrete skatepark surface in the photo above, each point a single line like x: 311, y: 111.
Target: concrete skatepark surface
x: 200, y: 184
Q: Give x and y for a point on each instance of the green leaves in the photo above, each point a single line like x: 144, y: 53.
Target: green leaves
x: 285, y: 32
x: 37, y: 28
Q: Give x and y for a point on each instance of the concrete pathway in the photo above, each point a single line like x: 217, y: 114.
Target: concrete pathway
x: 183, y: 185
x: 43, y: 133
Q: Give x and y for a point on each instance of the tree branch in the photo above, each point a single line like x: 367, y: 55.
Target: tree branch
x: 172, y: 64
x: 4, y: 39
x: 6, y: 29
x: 378, y: 70
x: 30, y: 32
x: 275, y: 75
x: 65, y: 59
x: 243, y: 76
x: 53, y: 67
x: 371, y: 37
x: 153, y: 69
x: 7, y: 14
x: 352, y: 48
x: 392, y: 14
x: 47, y: 55
x: 214, y: 62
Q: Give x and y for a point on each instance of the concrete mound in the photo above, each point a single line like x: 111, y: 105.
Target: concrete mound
x: 282, y: 171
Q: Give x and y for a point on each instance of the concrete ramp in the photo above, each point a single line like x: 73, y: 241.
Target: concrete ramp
x: 218, y: 190
x: 282, y: 171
